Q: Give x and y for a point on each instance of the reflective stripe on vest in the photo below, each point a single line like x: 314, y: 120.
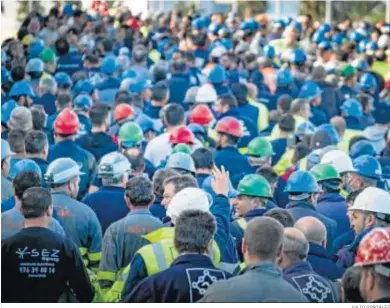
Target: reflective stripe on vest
x: 242, y: 223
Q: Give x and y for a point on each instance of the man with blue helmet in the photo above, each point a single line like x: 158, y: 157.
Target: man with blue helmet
x: 64, y: 83
x: 297, y: 60
x: 285, y: 85
x: 110, y: 83
x: 67, y: 62
x: 81, y: 105
x: 22, y: 93
x: 34, y: 70
x: 47, y: 92
x: 311, y: 91
x: 352, y: 111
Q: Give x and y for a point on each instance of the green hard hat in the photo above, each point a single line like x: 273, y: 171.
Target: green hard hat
x: 260, y: 147
x: 47, y: 55
x: 130, y: 134
x: 323, y: 172
x: 347, y: 70
x: 254, y: 185
x: 183, y: 148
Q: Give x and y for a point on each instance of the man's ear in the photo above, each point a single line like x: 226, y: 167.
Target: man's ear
x: 244, y: 246
x: 49, y: 211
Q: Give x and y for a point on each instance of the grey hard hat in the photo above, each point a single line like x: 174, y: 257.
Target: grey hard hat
x: 181, y: 161
x: 62, y: 170
x: 113, y: 165
x: 190, y: 97
x: 5, y: 149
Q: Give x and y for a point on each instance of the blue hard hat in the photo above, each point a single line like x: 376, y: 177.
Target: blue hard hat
x: 228, y: 44
x: 304, y: 129
x: 129, y: 74
x: 297, y: 26
x: 362, y: 147
x: 352, y: 108
x: 318, y: 37
x: 297, y: 56
x: 22, y: 88
x: 67, y: 10
x: 139, y: 86
x: 382, y: 113
x: 35, y: 65
x: 198, y: 23
x: 361, y: 47
x: 331, y: 131
x: 6, y: 110
x: 217, y: 74
x: 367, y: 81
x: 171, y: 51
x: 5, y: 76
x: 284, y: 78
x: 287, y: 20
x: 196, y: 129
x: 35, y: 48
x: 249, y: 25
x: 372, y: 46
x: 108, y: 65
x: 302, y: 182
x: 325, y: 28
x: 22, y: 166
x: 269, y: 51
x: 278, y: 23
x: 337, y: 38
x: 360, y: 64
x: 325, y: 45
x: 83, y: 86
x: 82, y: 102
x: 367, y: 166
x: 206, y: 20
x: 356, y: 36
x: 63, y: 79
x: 310, y: 90
x: 146, y: 123
x: 213, y: 28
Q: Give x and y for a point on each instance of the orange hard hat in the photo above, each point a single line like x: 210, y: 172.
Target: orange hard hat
x: 230, y: 126
x: 182, y: 134
x: 67, y: 122
x: 123, y: 111
x: 201, y: 115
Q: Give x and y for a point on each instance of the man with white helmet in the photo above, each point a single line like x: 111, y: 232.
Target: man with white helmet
x: 370, y: 209
x: 206, y: 94
x: 77, y: 219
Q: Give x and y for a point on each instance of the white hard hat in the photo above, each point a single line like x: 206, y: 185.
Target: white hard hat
x: 384, y: 41
x: 190, y: 198
x: 373, y: 199
x: 338, y: 159
x: 218, y: 51
x: 113, y: 164
x: 206, y: 94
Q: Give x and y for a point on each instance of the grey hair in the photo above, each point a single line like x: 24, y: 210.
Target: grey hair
x: 181, y: 181
x: 295, y: 245
x: 368, y: 182
x: 48, y: 84
x: 113, y: 180
x: 158, y: 180
x: 313, y: 229
x: 194, y: 230
x: 139, y: 190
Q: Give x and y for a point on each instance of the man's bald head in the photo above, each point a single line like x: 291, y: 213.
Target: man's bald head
x: 339, y: 124
x: 295, y: 245
x: 313, y: 229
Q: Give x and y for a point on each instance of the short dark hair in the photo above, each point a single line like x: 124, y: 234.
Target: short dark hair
x: 240, y: 92
x: 350, y: 285
x: 281, y: 215
x: 38, y: 115
x: 228, y: 100
x: 35, y: 142
x: 158, y: 180
x: 203, y: 158
x: 136, y: 160
x: 181, y: 181
x: 284, y: 102
x: 16, y: 140
x: 99, y: 113
x: 18, y: 73
x: 174, y: 114
x: 287, y: 123
x: 160, y: 91
x: 91, y: 58
x: 269, y: 173
x: 352, y: 195
x: 62, y: 46
x: 301, y: 150
x: 35, y: 202
x: 194, y: 230
x: 159, y: 73
x: 139, y: 190
x: 179, y: 65
x: 107, y: 44
x: 64, y: 100
x: 24, y: 181
x: 297, y: 105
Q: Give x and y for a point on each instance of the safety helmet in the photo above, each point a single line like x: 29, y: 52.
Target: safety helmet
x: 373, y: 199
x: 146, y: 123
x: 310, y: 90
x: 254, y: 185
x: 297, y: 56
x: 35, y: 48
x: 182, y: 148
x: 21, y: 88
x: 206, y: 94
x: 347, y: 70
x: 201, y: 114
x: 361, y: 47
x: 304, y: 129
x: 338, y: 159
x: 302, y: 182
x: 269, y: 51
x: 22, y: 166
x: 352, y: 108
x: 181, y: 161
x: 278, y: 23
x: 62, y: 170
x: 82, y: 102
x: 123, y: 111
x: 48, y: 55
x: 337, y: 39
x: 63, y: 80
x: 213, y: 28
x: 35, y: 66
x: 230, y: 126
x: 109, y: 65
x: 318, y: 37
x: 325, y: 45
x: 284, y: 78
x: 6, y: 110
x: 367, y: 82
x: 362, y: 147
x: 198, y: 130
x: 325, y: 28
x: 198, y: 24
x: 367, y: 166
x: 371, y: 47
x: 190, y: 198
x: 217, y: 74
x: 360, y: 64
x: 83, y: 86
x: 182, y: 134
x: 331, y: 131
x: 374, y: 250
x: 324, y: 172
x: 356, y: 36
x: 130, y: 135
x: 113, y: 165
x: 260, y: 147
x: 67, y: 122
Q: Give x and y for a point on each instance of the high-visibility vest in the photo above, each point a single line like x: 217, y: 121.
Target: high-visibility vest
x: 263, y: 118
x: 242, y: 223
x: 275, y: 133
x: 284, y: 162
x: 348, y: 135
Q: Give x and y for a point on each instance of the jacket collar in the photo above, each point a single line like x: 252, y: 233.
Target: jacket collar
x: 139, y: 211
x: 230, y: 148
x: 263, y: 267
x: 319, y: 251
x: 301, y: 204
x: 255, y: 213
x: 332, y: 197
x: 193, y: 259
x: 298, y: 267
x: 358, y: 238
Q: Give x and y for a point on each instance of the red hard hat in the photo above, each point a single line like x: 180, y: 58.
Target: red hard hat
x: 123, y: 111
x: 230, y: 126
x: 374, y: 248
x: 201, y: 115
x: 67, y: 122
x: 181, y: 135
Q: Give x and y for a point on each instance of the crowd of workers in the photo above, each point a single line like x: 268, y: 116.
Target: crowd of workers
x: 185, y: 158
